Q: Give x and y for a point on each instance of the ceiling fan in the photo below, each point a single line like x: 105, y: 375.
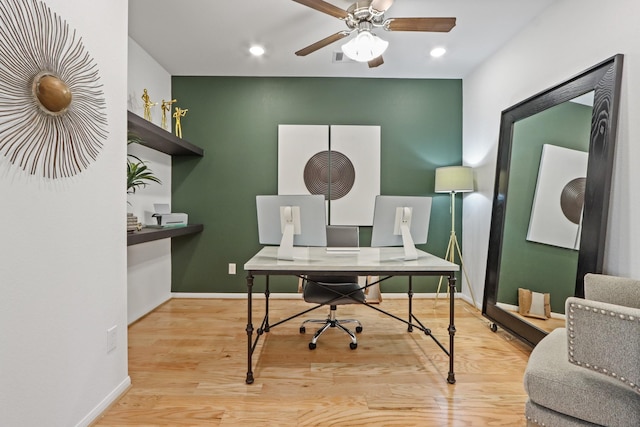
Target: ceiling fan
x: 362, y: 17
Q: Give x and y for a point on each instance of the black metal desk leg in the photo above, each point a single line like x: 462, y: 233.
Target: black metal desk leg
x: 410, y: 293
x: 266, y: 306
x: 451, y: 378
x: 249, y: 330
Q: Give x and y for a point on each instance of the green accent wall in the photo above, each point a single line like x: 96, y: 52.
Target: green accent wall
x: 235, y: 120
x: 539, y: 267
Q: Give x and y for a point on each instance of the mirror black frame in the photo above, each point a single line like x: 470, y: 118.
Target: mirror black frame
x: 605, y: 80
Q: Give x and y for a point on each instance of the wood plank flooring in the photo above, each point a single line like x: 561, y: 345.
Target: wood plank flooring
x: 187, y: 362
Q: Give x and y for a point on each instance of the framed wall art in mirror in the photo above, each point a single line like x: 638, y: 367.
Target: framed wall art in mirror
x: 549, y: 220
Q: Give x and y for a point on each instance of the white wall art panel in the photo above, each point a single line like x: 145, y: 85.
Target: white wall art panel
x: 556, y: 214
x: 340, y: 162
x: 352, y: 199
x: 296, y: 145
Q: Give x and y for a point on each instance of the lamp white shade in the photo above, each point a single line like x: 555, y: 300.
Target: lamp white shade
x: 364, y: 47
x: 454, y: 179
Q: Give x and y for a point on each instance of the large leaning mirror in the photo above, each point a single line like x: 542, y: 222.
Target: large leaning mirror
x: 551, y: 200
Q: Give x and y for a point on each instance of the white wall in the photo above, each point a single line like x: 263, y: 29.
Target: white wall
x: 143, y: 72
x: 149, y: 264
x: 62, y: 259
x: 570, y: 36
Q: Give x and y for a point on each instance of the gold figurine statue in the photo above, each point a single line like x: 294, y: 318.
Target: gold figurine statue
x: 147, y: 104
x: 166, y: 106
x: 177, y: 115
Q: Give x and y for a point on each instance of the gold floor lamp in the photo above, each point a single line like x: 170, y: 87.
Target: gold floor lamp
x: 452, y: 180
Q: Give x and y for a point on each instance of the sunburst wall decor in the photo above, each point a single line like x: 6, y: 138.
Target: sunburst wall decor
x: 52, y: 107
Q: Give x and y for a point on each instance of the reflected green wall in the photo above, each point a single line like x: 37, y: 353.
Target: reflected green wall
x: 235, y: 120
x: 539, y: 267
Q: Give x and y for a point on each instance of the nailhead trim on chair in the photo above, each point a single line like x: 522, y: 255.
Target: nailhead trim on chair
x: 572, y: 309
x: 536, y: 421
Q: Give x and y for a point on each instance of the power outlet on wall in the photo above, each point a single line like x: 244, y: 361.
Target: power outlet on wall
x: 232, y: 268
x: 112, y: 338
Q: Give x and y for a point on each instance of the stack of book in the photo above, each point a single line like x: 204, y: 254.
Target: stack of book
x: 132, y: 223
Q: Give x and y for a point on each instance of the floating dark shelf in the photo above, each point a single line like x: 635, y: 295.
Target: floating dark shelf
x: 151, y: 234
x: 159, y: 139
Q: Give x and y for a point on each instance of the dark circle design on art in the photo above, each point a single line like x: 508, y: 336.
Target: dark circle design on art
x: 328, y: 166
x: 53, y: 109
x: 572, y: 199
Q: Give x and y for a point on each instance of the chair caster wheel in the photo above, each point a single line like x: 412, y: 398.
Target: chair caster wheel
x: 312, y: 346
x: 303, y: 329
x: 494, y: 327
x: 353, y: 345
x: 358, y: 329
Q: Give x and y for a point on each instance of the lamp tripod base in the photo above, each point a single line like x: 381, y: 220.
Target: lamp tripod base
x: 452, y: 248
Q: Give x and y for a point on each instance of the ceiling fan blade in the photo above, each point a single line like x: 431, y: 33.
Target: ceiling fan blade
x: 441, y: 25
x: 322, y: 43
x: 376, y: 62
x: 381, y: 5
x: 324, y: 7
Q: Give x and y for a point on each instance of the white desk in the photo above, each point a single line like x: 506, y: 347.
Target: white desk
x: 387, y: 262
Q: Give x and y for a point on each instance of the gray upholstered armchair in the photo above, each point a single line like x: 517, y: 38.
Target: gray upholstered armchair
x: 588, y: 374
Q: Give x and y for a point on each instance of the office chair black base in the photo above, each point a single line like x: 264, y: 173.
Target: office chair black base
x: 312, y: 346
x: 332, y: 322
x: 303, y: 330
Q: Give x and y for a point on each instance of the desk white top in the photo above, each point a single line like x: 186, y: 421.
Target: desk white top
x: 364, y: 260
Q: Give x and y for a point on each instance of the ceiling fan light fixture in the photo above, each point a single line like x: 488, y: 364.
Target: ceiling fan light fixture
x: 365, y: 47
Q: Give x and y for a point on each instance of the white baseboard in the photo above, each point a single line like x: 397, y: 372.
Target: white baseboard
x: 238, y: 295
x: 289, y: 295
x: 468, y: 299
x: 147, y: 309
x: 106, y: 402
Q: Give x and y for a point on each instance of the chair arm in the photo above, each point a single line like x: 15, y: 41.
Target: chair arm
x: 605, y: 338
x: 612, y: 289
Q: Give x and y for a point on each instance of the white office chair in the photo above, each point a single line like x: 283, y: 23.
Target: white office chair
x: 334, y: 290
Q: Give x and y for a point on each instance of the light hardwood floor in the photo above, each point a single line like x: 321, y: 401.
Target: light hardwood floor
x: 187, y: 362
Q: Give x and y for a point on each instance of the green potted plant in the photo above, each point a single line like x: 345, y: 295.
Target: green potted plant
x: 138, y: 173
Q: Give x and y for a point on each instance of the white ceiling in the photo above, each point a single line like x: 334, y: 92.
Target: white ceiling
x: 212, y: 37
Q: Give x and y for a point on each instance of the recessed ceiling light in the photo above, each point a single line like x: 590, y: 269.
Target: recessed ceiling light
x: 256, y: 50
x: 438, y: 52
